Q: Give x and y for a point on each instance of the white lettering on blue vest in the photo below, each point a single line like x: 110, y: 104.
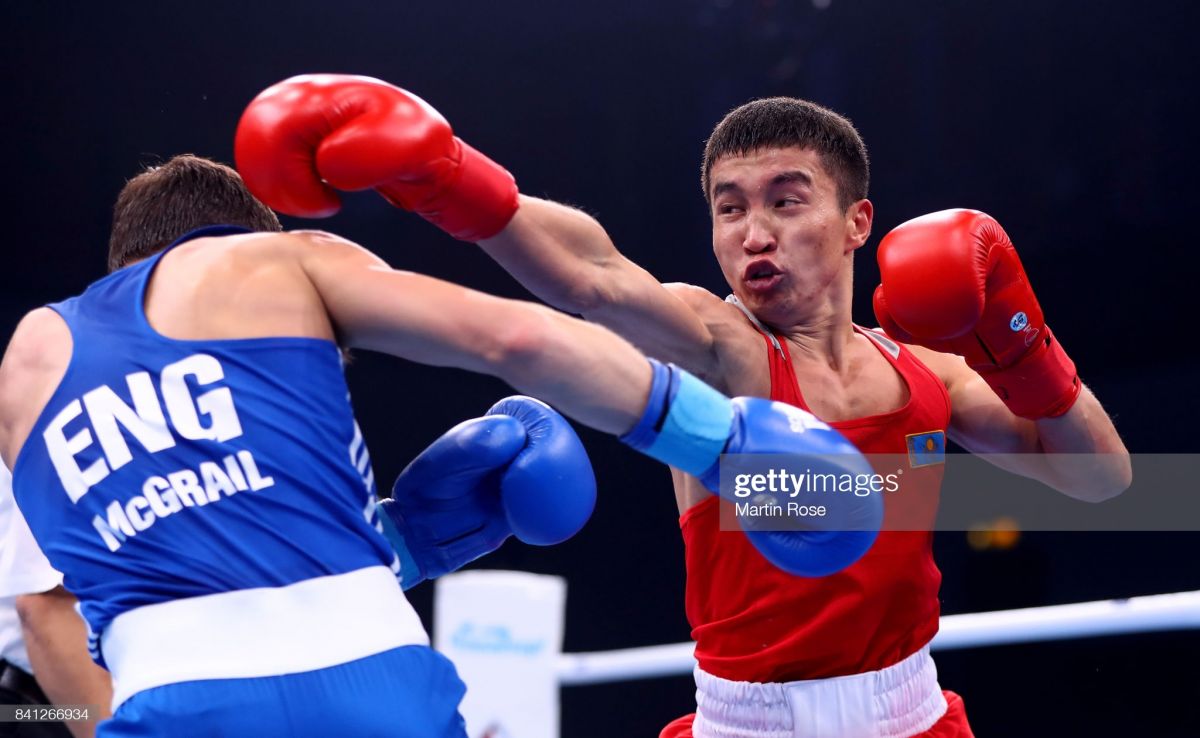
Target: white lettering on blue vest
x: 110, y: 418
x: 162, y: 497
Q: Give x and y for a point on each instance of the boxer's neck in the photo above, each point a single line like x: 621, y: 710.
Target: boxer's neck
x: 819, y: 329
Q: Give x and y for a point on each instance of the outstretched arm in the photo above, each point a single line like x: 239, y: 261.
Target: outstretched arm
x: 585, y: 370
x: 565, y: 257
x: 303, y: 138
x: 370, y: 134
x: 590, y: 374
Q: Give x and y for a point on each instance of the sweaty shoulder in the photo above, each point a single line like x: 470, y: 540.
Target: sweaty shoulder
x: 251, y: 254
x: 741, y: 366
x: 308, y: 240
x: 244, y: 286
x: 697, y: 298
x: 34, y: 363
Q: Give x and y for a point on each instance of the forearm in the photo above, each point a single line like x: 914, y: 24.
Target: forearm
x: 56, y: 639
x: 584, y: 370
x: 1083, y: 452
x: 1078, y: 453
x: 558, y: 253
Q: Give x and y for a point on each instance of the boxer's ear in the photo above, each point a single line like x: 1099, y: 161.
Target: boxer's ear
x: 859, y: 218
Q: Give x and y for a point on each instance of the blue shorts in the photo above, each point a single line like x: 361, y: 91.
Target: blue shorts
x: 408, y: 692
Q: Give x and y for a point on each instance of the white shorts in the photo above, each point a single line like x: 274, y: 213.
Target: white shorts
x: 896, y: 702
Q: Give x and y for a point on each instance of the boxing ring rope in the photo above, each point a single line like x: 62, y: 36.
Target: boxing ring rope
x: 504, y: 632
x: 1178, y: 611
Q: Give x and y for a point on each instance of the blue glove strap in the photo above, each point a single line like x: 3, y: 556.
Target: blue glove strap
x: 410, y: 573
x: 697, y: 423
x: 642, y: 435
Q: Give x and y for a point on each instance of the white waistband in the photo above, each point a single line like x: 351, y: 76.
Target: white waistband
x: 308, y: 625
x: 900, y: 701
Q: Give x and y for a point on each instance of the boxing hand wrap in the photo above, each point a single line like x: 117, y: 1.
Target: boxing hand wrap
x: 688, y: 425
x: 952, y: 282
x: 301, y: 139
x: 685, y: 424
x: 411, y: 573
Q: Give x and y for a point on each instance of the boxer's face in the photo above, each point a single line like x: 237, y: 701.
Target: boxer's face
x: 779, y: 234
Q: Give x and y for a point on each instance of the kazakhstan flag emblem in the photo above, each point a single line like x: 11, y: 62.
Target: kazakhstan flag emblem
x: 926, y: 449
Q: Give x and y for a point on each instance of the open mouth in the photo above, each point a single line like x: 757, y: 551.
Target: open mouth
x: 761, y: 274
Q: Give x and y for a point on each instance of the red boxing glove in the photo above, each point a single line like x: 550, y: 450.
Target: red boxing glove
x: 952, y: 282
x: 303, y: 138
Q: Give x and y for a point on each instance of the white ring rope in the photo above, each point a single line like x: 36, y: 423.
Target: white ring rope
x: 1178, y: 611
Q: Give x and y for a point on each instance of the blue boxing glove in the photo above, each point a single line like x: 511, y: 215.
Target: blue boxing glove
x: 519, y: 470
x: 689, y: 425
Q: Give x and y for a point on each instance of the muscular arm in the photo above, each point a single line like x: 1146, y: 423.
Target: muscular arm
x: 56, y: 639
x: 567, y: 259
x: 372, y: 134
x: 584, y: 370
x: 1079, y: 453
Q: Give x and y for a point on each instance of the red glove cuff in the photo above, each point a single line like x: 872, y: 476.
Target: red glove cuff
x: 1043, y: 384
x: 477, y: 203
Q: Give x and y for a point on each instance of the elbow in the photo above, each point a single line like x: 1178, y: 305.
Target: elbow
x: 521, y: 342
x: 1097, y: 494
x: 586, y: 297
x: 1119, y: 477
x: 1119, y: 480
x: 592, y: 286
x: 1107, y: 484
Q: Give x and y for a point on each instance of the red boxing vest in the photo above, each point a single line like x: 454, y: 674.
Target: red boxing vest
x: 753, y: 622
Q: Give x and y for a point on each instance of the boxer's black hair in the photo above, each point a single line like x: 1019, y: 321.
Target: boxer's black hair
x: 168, y: 200
x: 781, y: 122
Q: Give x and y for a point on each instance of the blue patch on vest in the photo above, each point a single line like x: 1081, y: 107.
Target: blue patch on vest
x: 926, y: 449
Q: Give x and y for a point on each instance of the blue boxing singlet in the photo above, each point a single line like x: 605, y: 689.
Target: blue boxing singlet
x: 207, y: 471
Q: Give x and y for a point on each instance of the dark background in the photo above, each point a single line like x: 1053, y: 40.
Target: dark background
x: 1073, y: 123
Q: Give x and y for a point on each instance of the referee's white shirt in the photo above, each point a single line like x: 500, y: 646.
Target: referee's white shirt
x: 23, y: 570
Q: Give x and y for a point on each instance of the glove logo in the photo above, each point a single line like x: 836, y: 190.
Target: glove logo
x: 1031, y: 335
x: 1018, y: 321
x: 800, y: 421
